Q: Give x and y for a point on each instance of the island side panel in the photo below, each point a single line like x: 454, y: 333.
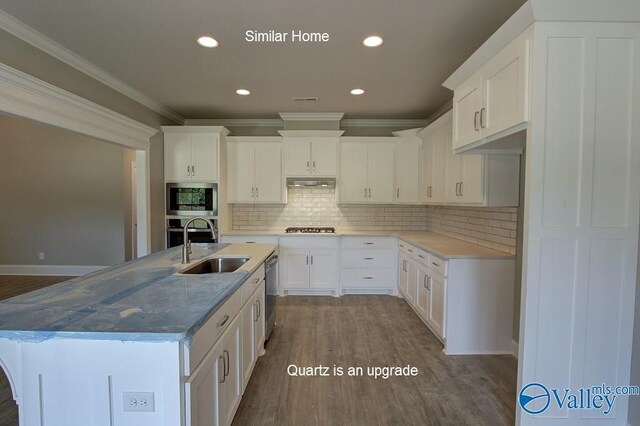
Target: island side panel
x: 79, y: 381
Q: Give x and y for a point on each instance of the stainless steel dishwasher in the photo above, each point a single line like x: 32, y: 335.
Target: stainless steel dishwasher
x: 271, y: 290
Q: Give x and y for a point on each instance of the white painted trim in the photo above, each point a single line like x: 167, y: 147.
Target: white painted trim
x: 234, y: 122
x: 26, y: 96
x: 408, y: 132
x: 311, y: 133
x: 47, y: 45
x: 514, y: 349
x: 383, y: 122
x: 49, y: 270
x: 195, y: 129
x: 311, y: 116
x: 143, y: 203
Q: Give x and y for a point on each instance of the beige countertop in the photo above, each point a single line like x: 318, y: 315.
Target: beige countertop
x: 439, y: 245
x: 258, y: 253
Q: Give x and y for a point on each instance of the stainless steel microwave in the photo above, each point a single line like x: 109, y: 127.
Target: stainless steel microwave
x: 192, y: 199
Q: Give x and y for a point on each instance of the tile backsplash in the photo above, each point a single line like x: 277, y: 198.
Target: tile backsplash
x: 489, y: 227
x: 317, y: 207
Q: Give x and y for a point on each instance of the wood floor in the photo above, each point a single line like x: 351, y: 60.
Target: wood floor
x: 351, y: 331
x: 11, y: 285
x: 370, y: 331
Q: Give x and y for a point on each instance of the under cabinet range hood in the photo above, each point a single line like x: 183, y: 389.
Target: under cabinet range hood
x: 311, y: 182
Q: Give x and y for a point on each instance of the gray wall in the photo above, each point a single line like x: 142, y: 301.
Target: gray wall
x: 634, y: 401
x: 24, y: 57
x: 62, y: 195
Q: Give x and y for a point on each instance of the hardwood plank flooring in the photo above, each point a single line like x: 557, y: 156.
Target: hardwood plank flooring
x: 370, y: 331
x: 10, y: 286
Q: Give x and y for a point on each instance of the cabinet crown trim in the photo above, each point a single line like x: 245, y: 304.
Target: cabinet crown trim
x: 195, y: 129
x: 313, y: 133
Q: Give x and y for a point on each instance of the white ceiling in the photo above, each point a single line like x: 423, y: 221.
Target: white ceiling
x: 150, y: 45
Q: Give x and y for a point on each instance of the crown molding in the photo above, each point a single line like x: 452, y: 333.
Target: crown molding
x: 375, y: 122
x: 195, y: 129
x: 234, y: 122
x: 314, y: 133
x: 47, y: 45
x: 25, y: 96
x: 311, y: 116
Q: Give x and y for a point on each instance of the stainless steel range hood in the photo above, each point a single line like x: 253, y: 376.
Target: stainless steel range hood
x: 310, y: 182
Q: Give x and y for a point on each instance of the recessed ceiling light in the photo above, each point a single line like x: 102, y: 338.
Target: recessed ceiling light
x: 357, y: 92
x: 243, y: 92
x: 373, y: 41
x: 207, y: 41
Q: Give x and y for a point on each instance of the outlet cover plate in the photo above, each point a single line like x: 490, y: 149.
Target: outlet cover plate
x: 139, y: 402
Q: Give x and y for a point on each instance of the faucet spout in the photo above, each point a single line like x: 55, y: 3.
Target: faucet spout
x: 186, y: 247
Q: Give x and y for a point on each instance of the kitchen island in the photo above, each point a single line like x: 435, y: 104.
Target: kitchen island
x: 135, y: 344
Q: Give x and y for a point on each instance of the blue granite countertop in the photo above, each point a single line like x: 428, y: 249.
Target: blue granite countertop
x: 143, y: 300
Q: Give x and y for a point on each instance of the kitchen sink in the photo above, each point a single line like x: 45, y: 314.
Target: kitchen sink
x: 216, y: 265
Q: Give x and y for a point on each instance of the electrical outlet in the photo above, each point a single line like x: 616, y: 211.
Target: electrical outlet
x: 41, y: 255
x: 138, y: 402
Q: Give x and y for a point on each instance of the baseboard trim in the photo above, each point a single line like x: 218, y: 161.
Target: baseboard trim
x: 53, y: 270
x: 514, y: 349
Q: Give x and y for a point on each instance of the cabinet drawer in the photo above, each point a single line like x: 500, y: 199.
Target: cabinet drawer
x: 377, y: 259
x: 250, y: 239
x: 308, y: 242
x: 422, y: 256
x: 368, y: 278
x: 368, y: 243
x: 210, y: 332
x: 250, y: 286
x: 438, y: 265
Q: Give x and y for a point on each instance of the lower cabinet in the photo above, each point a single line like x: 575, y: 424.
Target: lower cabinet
x: 309, y: 265
x: 368, y: 265
x: 253, y: 332
x: 213, y: 391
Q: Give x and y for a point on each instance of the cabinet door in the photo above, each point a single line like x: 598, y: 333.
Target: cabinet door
x: 422, y: 292
x: 204, y: 158
x: 412, y: 281
x: 438, y: 168
x: 261, y: 317
x: 296, y: 269
x: 324, y: 157
x: 177, y: 157
x: 381, y: 172
x: 452, y: 175
x: 248, y: 319
x: 324, y: 268
x: 467, y: 101
x: 297, y: 157
x: 403, y: 271
x: 230, y: 385
x: 426, y: 177
x: 241, y: 172
x: 471, y: 178
x: 268, y: 173
x: 505, y: 88
x: 353, y: 173
x: 201, y: 392
x: 407, y: 172
x: 437, y: 303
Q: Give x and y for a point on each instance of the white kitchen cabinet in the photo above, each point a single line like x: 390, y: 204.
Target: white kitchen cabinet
x: 191, y: 153
x: 261, y: 317
x: 412, y: 280
x: 433, y: 154
x: 367, y: 170
x: 368, y: 265
x: 465, y: 177
x: 247, y: 317
x: 422, y: 292
x: 309, y: 265
x: 435, y: 285
x: 495, y: 98
x: 403, y: 272
x: 255, y: 170
x: 310, y: 153
x: 407, y: 171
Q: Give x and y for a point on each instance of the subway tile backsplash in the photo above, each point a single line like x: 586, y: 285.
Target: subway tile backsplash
x: 489, y: 227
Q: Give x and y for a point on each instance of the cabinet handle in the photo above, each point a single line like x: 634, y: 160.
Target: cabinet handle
x: 227, y: 363
x: 475, y: 121
x: 224, y: 321
x: 462, y: 189
x: 404, y: 265
x: 421, y: 256
x: 457, y: 189
x: 435, y: 264
x: 259, y: 309
x: 188, y: 171
x: 193, y: 170
x: 253, y: 192
x: 257, y: 192
x: 312, y: 259
x: 307, y: 259
x: 224, y: 369
x: 367, y: 278
x: 398, y: 193
x: 483, y: 119
x: 255, y: 312
x: 369, y: 192
x: 314, y: 166
x: 307, y: 166
x: 365, y: 192
x: 424, y: 282
x: 256, y: 280
x: 368, y: 258
x: 430, y: 191
x: 410, y: 251
x: 429, y: 280
x: 369, y: 243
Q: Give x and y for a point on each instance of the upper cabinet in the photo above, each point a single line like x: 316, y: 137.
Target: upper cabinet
x: 435, y: 140
x: 367, y: 170
x: 191, y: 153
x: 494, y: 101
x: 311, y: 152
x: 407, y: 167
x: 254, y: 167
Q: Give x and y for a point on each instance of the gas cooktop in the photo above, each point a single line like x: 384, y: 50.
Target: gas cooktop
x: 310, y: 230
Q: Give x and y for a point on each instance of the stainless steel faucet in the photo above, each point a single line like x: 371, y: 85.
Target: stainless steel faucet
x: 186, y: 247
